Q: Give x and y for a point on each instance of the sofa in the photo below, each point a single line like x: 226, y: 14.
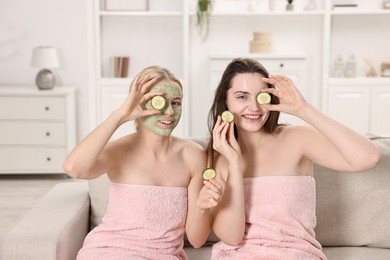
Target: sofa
x: 353, y: 216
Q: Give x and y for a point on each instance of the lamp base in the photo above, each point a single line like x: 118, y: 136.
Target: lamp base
x: 45, y: 79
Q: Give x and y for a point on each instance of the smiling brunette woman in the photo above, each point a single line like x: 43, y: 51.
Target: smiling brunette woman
x: 269, y: 194
x: 156, y: 178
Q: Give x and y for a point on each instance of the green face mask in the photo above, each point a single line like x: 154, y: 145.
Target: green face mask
x: 167, y: 120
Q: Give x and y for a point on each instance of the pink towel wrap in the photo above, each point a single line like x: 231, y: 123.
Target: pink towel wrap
x: 280, y: 221
x: 142, y: 222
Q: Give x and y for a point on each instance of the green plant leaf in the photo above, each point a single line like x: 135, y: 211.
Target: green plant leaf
x: 203, y: 13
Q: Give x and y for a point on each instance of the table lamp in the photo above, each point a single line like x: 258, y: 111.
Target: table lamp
x: 45, y: 57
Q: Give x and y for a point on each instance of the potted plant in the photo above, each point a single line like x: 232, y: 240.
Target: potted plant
x: 290, y: 6
x: 203, y: 13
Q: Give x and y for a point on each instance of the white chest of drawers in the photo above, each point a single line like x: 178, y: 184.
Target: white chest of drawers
x: 37, y: 129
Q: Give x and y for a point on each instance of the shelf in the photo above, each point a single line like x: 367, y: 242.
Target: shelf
x: 140, y: 13
x: 115, y: 81
x: 119, y: 81
x: 57, y: 90
x: 359, y: 12
x: 359, y: 81
x: 275, y: 13
x: 257, y: 55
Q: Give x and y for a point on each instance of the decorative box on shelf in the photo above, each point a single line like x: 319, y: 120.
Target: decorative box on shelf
x: 38, y: 129
x: 132, y: 5
x: 386, y: 4
x: 385, y: 69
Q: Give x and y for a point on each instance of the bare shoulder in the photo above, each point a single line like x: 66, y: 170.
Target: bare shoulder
x: 117, y: 146
x: 193, y: 153
x: 188, y: 146
x: 297, y: 133
x: 124, y: 140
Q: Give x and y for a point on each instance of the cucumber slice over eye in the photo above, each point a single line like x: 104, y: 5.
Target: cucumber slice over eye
x: 158, y: 102
x: 208, y: 174
x: 263, y: 98
x: 227, y: 116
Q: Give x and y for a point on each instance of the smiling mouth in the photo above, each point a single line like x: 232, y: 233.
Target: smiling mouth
x: 166, y: 122
x: 251, y: 116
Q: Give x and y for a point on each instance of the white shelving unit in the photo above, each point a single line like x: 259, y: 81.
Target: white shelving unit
x: 360, y: 101
x: 167, y: 35
x: 155, y: 37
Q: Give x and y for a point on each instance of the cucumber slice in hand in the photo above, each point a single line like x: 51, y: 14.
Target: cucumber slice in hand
x: 263, y: 98
x: 158, y: 102
x: 227, y: 116
x: 208, y: 174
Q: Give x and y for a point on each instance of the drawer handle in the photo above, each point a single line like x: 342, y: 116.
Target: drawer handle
x: 47, y: 133
x: 48, y: 159
x: 281, y: 65
x: 47, y: 108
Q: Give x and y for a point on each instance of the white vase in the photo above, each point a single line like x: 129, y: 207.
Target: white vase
x: 290, y: 7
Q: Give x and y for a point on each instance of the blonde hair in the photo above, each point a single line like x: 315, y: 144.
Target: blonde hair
x: 159, y: 72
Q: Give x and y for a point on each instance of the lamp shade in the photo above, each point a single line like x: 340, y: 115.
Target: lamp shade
x: 45, y: 57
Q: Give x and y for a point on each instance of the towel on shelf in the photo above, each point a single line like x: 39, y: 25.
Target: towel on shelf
x: 280, y: 221
x: 142, y: 222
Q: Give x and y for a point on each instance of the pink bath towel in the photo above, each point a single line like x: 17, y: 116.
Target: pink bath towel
x: 142, y: 222
x: 280, y: 221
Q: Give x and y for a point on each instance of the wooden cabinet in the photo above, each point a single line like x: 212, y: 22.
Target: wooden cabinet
x: 380, y: 107
x: 112, y: 98
x: 38, y: 129
x: 362, y: 105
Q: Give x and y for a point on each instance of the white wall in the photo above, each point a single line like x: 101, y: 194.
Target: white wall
x: 66, y: 25
x: 63, y: 24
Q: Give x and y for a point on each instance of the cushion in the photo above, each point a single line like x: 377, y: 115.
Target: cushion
x: 353, y: 209
x: 98, y: 192
x: 356, y: 253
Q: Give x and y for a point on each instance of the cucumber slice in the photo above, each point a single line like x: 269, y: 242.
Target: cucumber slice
x: 263, y: 98
x: 227, y: 116
x: 158, y: 102
x: 208, y: 174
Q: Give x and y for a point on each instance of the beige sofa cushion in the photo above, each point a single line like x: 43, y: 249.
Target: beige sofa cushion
x: 98, y: 191
x: 353, y: 209
x: 356, y: 253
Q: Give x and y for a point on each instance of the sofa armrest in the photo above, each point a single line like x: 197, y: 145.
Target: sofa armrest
x: 54, y: 229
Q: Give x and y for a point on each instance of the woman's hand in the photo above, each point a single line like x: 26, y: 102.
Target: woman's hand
x: 133, y: 107
x: 224, y: 140
x: 291, y: 100
x: 210, y: 194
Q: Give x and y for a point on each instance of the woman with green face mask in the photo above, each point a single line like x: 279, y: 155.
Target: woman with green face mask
x: 156, y: 185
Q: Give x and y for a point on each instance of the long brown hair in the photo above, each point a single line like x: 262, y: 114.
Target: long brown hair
x: 238, y: 66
